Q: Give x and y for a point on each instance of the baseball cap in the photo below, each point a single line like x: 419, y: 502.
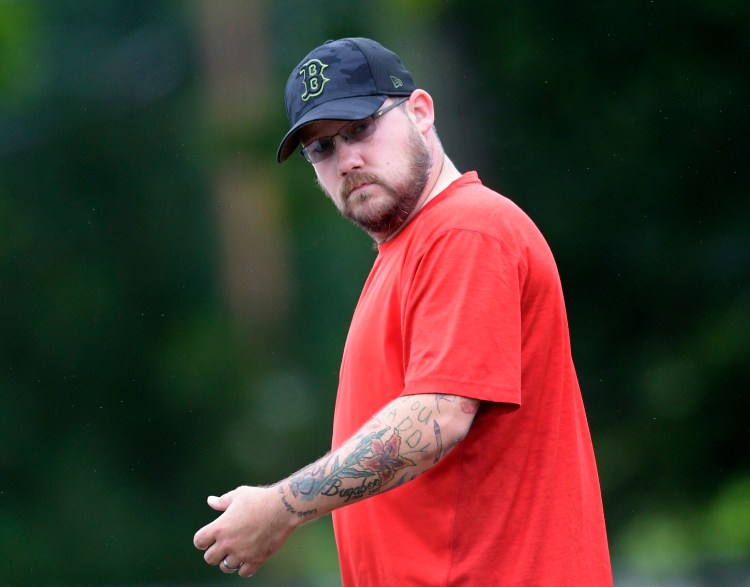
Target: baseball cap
x: 347, y: 79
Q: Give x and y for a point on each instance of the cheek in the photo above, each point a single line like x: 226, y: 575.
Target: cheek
x: 396, y: 152
x: 329, y: 185
x: 325, y: 178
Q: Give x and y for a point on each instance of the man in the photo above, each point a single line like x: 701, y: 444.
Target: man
x: 461, y: 453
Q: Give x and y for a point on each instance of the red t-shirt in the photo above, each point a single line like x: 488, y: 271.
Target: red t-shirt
x: 466, y: 300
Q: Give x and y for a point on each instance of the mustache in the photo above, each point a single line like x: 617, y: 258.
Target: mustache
x: 356, y: 179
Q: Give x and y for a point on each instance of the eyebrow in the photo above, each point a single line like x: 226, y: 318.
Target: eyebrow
x: 318, y: 124
x: 314, y: 136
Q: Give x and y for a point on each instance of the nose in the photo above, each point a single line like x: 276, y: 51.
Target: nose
x: 348, y: 156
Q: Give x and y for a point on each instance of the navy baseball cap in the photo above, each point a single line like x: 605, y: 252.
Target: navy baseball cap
x: 347, y: 79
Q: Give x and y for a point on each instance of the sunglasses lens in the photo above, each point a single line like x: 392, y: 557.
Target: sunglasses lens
x: 358, y: 130
x: 323, y: 148
x: 318, y: 150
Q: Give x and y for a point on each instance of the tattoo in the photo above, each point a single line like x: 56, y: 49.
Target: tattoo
x: 424, y: 412
x: 439, y: 441
x: 469, y: 406
x: 411, y: 434
x: 382, y: 455
x: 350, y: 493
x: 374, y: 460
x: 290, y: 508
x: 442, y: 397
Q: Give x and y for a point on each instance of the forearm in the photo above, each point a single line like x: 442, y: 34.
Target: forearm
x: 405, y: 439
x: 408, y: 437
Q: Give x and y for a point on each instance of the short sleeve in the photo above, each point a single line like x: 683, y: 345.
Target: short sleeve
x: 462, y: 319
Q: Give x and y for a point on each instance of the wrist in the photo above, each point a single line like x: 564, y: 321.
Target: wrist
x: 294, y: 512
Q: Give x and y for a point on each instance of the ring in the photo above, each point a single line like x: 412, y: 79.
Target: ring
x: 229, y: 567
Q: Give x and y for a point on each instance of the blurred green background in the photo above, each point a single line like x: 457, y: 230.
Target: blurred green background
x: 173, y: 304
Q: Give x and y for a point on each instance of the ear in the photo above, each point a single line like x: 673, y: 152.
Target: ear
x: 422, y: 110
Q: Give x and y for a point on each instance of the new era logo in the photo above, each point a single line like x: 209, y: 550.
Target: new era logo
x: 397, y: 83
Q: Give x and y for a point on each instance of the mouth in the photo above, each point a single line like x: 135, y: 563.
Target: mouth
x: 358, y: 184
x: 358, y: 189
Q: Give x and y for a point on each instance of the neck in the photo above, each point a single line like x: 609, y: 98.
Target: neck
x: 444, y: 174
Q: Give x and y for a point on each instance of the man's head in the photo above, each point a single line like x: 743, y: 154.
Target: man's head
x: 380, y: 184
x: 347, y: 79
x: 367, y: 130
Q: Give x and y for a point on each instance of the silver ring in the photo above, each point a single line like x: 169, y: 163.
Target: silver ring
x: 229, y: 567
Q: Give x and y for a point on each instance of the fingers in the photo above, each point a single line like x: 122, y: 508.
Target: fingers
x: 229, y: 567
x: 237, y: 540
x: 203, y: 538
x: 221, y: 503
x: 245, y: 570
x: 216, y: 503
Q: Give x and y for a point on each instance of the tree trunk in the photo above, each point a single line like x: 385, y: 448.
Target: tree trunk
x: 249, y: 207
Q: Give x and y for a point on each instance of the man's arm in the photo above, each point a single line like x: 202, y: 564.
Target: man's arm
x: 405, y: 439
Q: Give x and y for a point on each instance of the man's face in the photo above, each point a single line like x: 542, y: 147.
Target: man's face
x: 376, y: 183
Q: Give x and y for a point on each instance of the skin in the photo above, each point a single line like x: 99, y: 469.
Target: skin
x: 386, y: 155
x: 409, y: 435
x: 405, y: 439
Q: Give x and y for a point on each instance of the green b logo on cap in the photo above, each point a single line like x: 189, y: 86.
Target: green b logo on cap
x: 313, y: 79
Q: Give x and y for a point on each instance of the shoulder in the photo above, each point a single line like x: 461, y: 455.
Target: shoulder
x: 469, y: 205
x: 469, y: 219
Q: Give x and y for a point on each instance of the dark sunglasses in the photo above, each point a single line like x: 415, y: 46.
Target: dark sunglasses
x: 352, y: 132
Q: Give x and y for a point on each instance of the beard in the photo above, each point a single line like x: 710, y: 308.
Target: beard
x: 384, y: 214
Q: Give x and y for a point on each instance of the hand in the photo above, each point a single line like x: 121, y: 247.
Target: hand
x: 254, y: 525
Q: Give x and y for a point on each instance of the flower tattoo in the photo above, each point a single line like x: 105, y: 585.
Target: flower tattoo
x: 385, y: 459
x: 373, y: 460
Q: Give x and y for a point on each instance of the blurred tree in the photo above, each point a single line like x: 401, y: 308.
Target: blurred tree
x: 246, y: 195
x: 173, y: 305
x: 623, y: 129
x: 108, y: 308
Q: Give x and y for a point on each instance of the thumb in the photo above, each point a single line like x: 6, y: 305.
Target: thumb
x: 221, y: 503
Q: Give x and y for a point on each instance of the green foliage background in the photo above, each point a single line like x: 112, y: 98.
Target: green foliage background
x: 129, y: 391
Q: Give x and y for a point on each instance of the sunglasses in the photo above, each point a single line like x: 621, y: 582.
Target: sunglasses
x: 353, y: 132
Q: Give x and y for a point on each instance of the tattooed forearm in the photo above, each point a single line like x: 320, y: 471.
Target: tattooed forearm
x: 375, y: 459
x: 399, y: 443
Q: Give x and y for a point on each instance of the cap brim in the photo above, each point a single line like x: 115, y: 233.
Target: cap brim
x: 350, y: 108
